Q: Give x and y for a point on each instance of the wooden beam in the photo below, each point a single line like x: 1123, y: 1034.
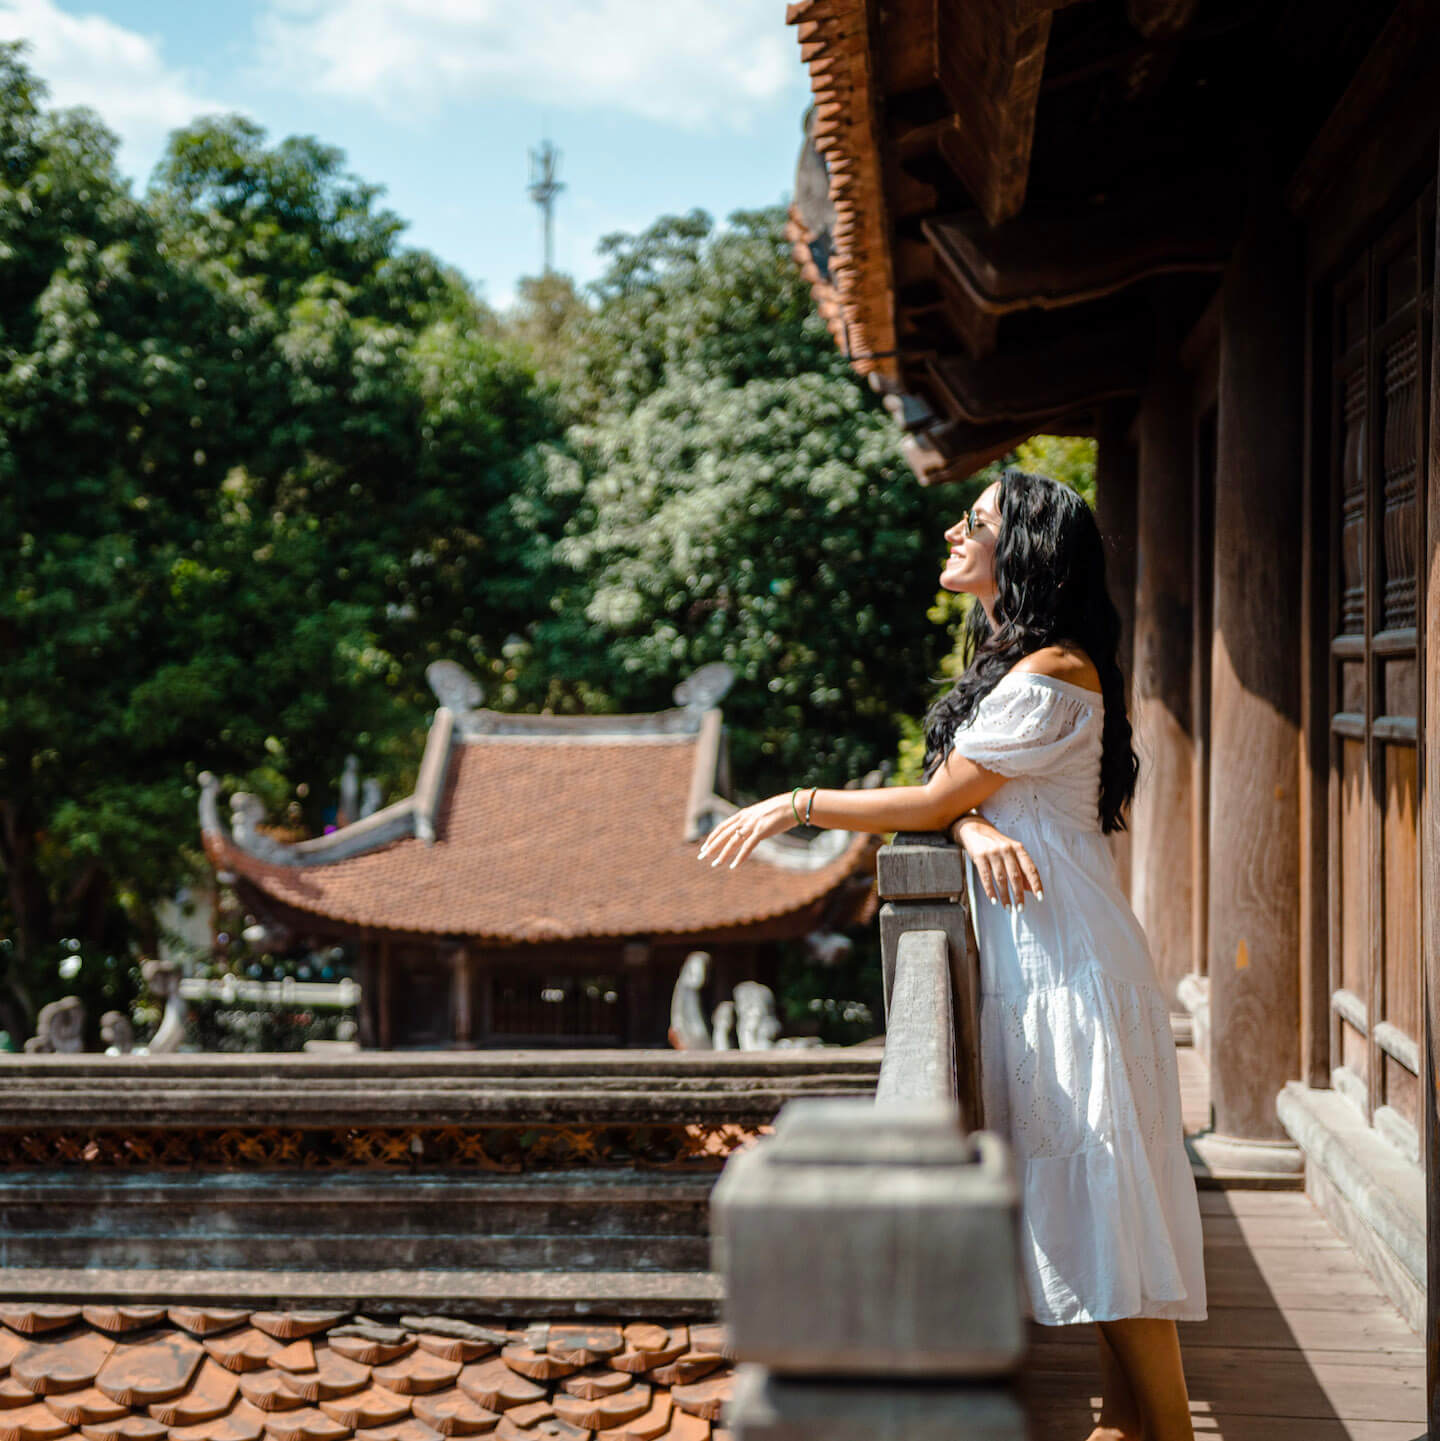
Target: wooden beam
x: 1079, y: 370
x: 1055, y: 261
x: 955, y: 451
x: 990, y: 58
x: 1160, y: 17
x: 1375, y: 136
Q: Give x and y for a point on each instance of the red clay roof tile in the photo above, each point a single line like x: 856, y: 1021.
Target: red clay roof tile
x: 540, y: 840
x: 191, y: 1396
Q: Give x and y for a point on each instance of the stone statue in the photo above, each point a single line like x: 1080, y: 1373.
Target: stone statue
x: 116, y: 1033
x: 757, y: 1024
x: 827, y: 947
x: 723, y: 1021
x: 349, y: 809
x: 687, y: 1019
x: 370, y: 797
x: 163, y: 979
x: 59, y: 1028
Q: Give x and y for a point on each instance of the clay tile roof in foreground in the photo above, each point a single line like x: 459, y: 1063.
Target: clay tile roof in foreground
x: 206, y: 1373
x: 546, y: 829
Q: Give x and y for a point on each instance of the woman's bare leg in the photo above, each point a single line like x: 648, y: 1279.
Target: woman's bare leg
x: 1148, y: 1351
x: 1119, y: 1411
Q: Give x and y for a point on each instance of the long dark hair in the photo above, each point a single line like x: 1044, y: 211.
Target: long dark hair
x: 1050, y: 589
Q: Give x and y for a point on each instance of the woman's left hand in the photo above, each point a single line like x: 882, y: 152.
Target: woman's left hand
x: 737, y: 835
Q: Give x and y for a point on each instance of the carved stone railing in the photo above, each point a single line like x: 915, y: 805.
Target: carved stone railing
x: 869, y: 1250
x: 475, y: 1182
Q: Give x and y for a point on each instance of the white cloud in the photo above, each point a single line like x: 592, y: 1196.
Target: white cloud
x: 701, y: 64
x: 120, y: 73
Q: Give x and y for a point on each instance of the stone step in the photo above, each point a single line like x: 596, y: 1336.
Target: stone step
x: 580, y: 1221
x: 634, y: 1295
x: 191, y: 1247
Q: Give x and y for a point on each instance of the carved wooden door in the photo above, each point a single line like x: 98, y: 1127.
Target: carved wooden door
x: 1379, y: 384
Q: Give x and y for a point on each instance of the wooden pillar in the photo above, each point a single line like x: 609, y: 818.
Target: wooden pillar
x: 1255, y: 694
x: 384, y: 994
x: 1115, y: 499
x: 464, y: 1025
x: 1160, y: 872
x: 1430, y: 872
x: 638, y: 983
x: 369, y: 971
x: 1202, y: 613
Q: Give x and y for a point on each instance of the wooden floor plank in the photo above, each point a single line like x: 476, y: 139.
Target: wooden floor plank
x: 1300, y: 1344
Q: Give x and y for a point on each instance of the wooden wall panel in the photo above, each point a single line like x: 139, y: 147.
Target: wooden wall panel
x: 1353, y: 882
x: 1402, y: 939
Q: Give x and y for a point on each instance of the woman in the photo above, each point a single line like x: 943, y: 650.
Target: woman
x: 1029, y: 763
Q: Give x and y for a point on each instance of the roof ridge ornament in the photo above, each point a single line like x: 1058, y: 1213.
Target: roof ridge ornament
x: 454, y: 687
x: 705, y: 688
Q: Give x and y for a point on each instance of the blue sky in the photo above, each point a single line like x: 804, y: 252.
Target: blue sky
x: 655, y: 108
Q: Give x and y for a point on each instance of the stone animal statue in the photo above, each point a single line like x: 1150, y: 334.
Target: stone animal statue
x: 163, y: 979
x: 757, y: 1025
x: 59, y: 1028
x: 723, y: 1022
x: 116, y: 1033
x: 687, y: 1019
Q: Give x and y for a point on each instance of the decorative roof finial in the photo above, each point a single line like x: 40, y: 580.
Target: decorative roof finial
x: 455, y: 688
x: 706, y: 687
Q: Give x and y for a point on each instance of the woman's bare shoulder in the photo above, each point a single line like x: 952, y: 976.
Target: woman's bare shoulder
x: 1067, y: 663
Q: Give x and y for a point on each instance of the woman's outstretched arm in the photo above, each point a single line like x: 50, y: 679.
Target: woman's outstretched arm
x: 958, y: 786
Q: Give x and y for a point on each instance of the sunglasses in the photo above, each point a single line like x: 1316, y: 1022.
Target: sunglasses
x: 972, y: 520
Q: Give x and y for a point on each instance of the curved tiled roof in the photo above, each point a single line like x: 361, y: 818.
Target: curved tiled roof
x: 204, y: 1373
x: 550, y: 839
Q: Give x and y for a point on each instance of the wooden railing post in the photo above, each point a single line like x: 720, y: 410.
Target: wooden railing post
x: 870, y: 1249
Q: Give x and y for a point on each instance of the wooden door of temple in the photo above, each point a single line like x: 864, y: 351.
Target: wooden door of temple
x: 535, y: 1005
x: 1379, y: 361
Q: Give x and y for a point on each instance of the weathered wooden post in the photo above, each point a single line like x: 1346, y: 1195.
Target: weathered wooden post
x: 1116, y: 483
x: 870, y: 1250
x: 1254, y: 919
x: 1160, y: 875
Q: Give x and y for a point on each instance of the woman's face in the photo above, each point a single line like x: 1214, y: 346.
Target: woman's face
x: 970, y: 564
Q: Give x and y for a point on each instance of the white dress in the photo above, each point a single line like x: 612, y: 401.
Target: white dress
x: 1078, y: 1063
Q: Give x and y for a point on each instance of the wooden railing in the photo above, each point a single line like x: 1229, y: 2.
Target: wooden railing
x: 869, y: 1249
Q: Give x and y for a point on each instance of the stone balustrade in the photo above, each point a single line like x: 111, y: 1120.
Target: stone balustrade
x: 557, y: 1183
x: 869, y: 1249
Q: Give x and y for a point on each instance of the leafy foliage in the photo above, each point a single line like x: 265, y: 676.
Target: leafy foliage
x: 740, y: 498
x: 257, y: 466
x: 260, y: 463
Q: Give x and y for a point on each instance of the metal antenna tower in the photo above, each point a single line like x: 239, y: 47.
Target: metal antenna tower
x: 544, y: 187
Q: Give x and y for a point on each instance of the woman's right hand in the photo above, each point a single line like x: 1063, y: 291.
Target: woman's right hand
x: 1001, y: 862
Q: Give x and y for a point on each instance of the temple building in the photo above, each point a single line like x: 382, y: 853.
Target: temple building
x: 1204, y: 233
x: 540, y: 886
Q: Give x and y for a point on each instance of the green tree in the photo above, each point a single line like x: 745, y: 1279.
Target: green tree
x: 741, y: 498
x: 257, y: 466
